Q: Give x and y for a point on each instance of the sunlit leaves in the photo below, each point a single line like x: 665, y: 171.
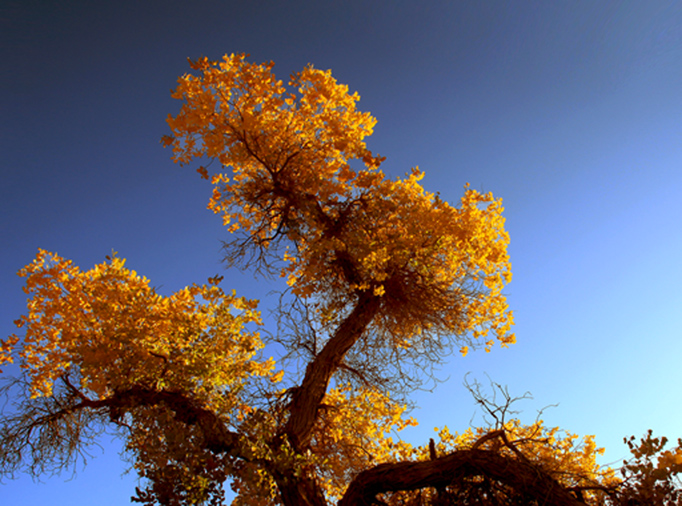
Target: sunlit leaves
x: 384, y: 279
x: 111, y: 330
x: 356, y: 429
x: 301, y: 174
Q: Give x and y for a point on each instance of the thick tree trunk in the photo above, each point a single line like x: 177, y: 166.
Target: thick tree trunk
x: 299, y: 491
x: 306, y: 399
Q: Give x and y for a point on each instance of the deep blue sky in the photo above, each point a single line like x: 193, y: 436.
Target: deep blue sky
x: 568, y: 110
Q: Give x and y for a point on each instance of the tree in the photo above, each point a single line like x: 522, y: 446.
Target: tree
x: 385, y: 280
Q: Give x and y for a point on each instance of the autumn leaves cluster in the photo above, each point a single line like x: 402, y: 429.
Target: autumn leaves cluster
x: 295, y: 171
x: 110, y: 330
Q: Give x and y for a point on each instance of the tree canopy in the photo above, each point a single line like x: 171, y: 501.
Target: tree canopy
x: 384, y: 280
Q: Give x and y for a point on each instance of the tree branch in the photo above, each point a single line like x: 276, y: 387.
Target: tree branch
x: 525, y: 479
x: 217, y: 438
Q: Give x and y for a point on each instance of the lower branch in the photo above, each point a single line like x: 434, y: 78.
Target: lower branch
x: 217, y: 438
x: 525, y: 479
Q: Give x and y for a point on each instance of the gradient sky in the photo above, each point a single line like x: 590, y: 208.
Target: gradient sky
x: 568, y: 110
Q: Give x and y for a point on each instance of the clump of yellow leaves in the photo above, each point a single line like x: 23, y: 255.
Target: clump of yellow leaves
x: 108, y: 328
x: 651, y: 476
x: 299, y: 171
x: 355, y: 430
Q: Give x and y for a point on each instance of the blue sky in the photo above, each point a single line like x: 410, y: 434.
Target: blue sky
x: 569, y: 111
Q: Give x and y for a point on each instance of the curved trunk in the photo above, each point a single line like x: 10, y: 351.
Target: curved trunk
x: 307, y: 397
x: 304, y: 490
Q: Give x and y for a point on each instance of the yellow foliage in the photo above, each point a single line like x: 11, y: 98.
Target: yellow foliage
x: 355, y: 430
x: 111, y: 330
x: 306, y: 198
x: 299, y: 169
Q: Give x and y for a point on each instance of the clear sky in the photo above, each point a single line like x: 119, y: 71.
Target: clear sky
x: 571, y: 111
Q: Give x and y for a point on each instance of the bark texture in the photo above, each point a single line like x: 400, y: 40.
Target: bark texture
x: 306, y: 398
x: 522, y: 477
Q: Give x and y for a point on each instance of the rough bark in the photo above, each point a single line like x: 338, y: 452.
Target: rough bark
x: 299, y: 491
x: 524, y: 478
x: 217, y: 437
x: 306, y: 398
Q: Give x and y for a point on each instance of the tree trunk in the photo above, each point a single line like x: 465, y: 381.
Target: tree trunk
x: 307, y: 398
x: 299, y: 491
